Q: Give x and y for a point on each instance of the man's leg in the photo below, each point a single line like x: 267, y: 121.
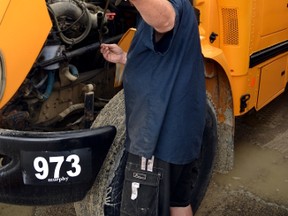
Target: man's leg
x: 182, y: 178
x: 181, y: 211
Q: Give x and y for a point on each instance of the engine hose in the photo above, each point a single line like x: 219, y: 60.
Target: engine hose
x: 58, y: 8
x: 69, y: 110
x: 63, y: 114
x: 71, y: 73
x: 81, y: 51
x: 41, y: 83
x: 50, y: 84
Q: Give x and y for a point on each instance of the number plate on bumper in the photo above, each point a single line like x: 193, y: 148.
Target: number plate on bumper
x: 49, y: 167
x: 46, y: 168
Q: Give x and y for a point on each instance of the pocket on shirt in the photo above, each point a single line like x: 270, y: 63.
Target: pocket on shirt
x: 140, y: 195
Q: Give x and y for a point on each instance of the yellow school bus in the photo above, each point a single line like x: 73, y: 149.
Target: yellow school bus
x: 62, y: 114
x: 245, y: 45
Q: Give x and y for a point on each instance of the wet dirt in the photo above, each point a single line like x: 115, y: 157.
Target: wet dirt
x: 258, y: 183
x: 14, y: 210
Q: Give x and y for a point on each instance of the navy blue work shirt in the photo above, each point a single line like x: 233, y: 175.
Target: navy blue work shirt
x: 164, y: 88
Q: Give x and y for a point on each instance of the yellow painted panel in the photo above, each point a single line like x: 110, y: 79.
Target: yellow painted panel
x: 272, y: 81
x: 274, y: 16
x: 124, y: 43
x: 269, y: 24
x: 3, y: 7
x: 23, y: 31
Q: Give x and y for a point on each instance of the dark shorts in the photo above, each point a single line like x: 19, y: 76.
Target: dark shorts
x: 150, y: 189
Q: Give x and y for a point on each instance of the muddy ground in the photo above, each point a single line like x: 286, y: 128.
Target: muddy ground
x: 258, y: 184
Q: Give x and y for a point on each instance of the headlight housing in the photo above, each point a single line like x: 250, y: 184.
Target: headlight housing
x: 2, y: 75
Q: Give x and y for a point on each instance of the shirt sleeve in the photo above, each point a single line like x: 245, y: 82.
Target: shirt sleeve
x: 162, y: 46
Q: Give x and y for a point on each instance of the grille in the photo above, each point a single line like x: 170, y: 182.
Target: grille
x: 230, y: 26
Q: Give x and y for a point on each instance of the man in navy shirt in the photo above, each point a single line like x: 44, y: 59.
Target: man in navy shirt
x: 165, y: 102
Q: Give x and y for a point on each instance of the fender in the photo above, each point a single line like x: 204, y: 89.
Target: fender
x: 124, y: 43
x: 217, y: 55
x: 20, y: 47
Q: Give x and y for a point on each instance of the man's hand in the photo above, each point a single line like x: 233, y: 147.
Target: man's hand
x: 113, y: 53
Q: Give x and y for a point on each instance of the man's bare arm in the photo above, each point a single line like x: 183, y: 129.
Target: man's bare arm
x: 160, y: 14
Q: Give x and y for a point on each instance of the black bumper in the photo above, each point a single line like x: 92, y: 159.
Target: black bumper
x: 51, y: 168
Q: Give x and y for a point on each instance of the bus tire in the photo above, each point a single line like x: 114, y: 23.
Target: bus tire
x: 101, y: 200
x: 97, y: 199
x: 206, y: 159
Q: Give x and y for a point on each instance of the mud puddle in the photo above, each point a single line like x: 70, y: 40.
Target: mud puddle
x: 261, y: 153
x: 258, y: 183
x: 261, y: 171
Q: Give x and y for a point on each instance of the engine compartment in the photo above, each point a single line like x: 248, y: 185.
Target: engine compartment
x: 70, y: 82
